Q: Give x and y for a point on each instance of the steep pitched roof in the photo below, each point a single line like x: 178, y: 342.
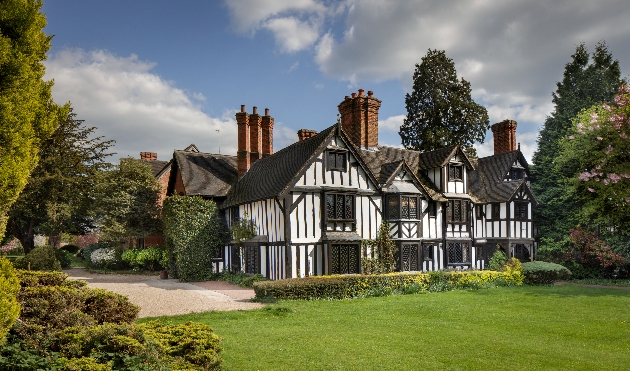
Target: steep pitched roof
x: 268, y: 177
x: 205, y: 174
x: 440, y: 157
x: 385, y: 160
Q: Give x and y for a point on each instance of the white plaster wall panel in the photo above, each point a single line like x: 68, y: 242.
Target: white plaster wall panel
x: 504, y: 229
x: 503, y: 210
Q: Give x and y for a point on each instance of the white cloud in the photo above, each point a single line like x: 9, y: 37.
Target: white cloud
x: 526, y: 140
x: 293, y: 67
x: 291, y: 34
x: 135, y: 107
x: 249, y: 15
x: 391, y: 123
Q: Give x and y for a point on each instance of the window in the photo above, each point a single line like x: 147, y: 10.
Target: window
x: 479, y: 211
x: 427, y: 252
x: 496, y: 211
x: 457, y: 211
x: 458, y: 253
x: 339, y: 206
x: 521, y: 211
x: 432, y: 209
x: 234, y: 215
x: 521, y: 252
x: 455, y: 172
x: 251, y: 259
x: 517, y: 174
x: 403, y: 207
x: 344, y: 259
x: 336, y: 160
x: 409, y: 257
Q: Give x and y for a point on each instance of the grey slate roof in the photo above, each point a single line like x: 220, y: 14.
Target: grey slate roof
x: 486, y: 185
x: 268, y: 177
x: 156, y: 165
x: 206, y: 174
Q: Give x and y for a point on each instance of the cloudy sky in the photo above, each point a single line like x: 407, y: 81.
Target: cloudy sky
x: 159, y: 75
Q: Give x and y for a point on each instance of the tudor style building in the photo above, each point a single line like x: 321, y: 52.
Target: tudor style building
x: 314, y: 201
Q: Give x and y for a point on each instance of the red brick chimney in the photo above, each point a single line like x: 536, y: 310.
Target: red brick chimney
x: 504, y: 134
x: 151, y: 156
x: 359, y: 118
x: 266, y: 128
x: 242, y: 154
x: 254, y: 136
x: 304, y: 134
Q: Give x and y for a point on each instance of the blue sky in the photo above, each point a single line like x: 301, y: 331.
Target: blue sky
x: 160, y: 75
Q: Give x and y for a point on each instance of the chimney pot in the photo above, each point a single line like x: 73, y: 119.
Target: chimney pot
x: 359, y: 119
x: 242, y: 108
x: 370, y: 93
x: 148, y: 156
x: 361, y: 92
x: 347, y: 97
x: 255, y: 110
x: 504, y: 136
x: 266, y: 111
x: 354, y: 95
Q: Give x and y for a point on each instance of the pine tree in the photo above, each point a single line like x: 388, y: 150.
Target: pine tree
x: 440, y: 109
x: 27, y: 112
x: 583, y: 85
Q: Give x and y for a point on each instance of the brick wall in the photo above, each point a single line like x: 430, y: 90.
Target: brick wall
x: 504, y: 134
x: 359, y: 118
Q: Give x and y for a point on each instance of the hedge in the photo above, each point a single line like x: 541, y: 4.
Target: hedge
x: 353, y: 286
x: 544, y: 273
x: 193, y: 231
x: 9, y: 307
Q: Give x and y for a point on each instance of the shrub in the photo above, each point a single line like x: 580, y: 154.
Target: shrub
x: 107, y: 257
x: 106, y: 306
x: 543, y: 273
x: 193, y: 231
x: 497, y: 260
x: 9, y: 307
x: 150, y: 258
x: 38, y: 278
x: 40, y: 258
x: 239, y: 278
x: 72, y: 249
x: 379, y: 252
x: 87, y: 251
x: 192, y: 342
x: 64, y: 257
x: 352, y: 286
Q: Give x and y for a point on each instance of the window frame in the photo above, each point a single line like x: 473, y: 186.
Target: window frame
x: 464, y: 217
x: 432, y: 209
x: 335, y: 167
x: 352, y: 219
x: 480, y: 211
x: 496, y: 215
x: 399, y: 206
x: 451, y: 175
x: 517, y: 213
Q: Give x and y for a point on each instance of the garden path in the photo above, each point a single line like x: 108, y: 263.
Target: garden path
x: 157, y: 297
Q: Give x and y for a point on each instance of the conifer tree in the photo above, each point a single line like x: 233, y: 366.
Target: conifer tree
x: 585, y: 83
x: 440, y: 109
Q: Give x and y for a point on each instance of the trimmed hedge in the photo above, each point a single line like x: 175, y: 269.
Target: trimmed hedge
x: 9, y: 307
x: 193, y: 231
x: 544, y: 273
x: 354, y: 286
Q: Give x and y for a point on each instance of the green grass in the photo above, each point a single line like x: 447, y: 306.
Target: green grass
x: 603, y: 282
x: 527, y: 328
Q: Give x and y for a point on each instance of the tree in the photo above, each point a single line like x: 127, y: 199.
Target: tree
x: 60, y: 194
x: 27, y: 112
x: 583, y: 85
x: 128, y: 201
x: 440, y: 110
x: 597, y: 156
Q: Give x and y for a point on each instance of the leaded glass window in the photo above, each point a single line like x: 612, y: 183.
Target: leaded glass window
x: 520, y: 211
x: 404, y: 207
x: 458, y: 252
x: 496, y: 211
x: 413, y: 208
x: 457, y: 211
x: 339, y: 206
x: 337, y: 160
x: 409, y: 257
x: 393, y: 207
x: 455, y: 172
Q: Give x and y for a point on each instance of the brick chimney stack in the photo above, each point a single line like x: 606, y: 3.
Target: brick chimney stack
x: 254, y: 136
x: 266, y: 128
x: 242, y: 154
x: 151, y: 156
x: 504, y: 134
x: 359, y: 118
x: 304, y: 134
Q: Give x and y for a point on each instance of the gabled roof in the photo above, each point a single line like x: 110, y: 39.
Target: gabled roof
x: 497, y: 166
x: 441, y: 157
x: 156, y: 166
x: 268, y: 177
x: 204, y: 174
x: 385, y: 160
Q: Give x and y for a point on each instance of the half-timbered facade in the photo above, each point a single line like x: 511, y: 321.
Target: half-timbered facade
x: 314, y: 201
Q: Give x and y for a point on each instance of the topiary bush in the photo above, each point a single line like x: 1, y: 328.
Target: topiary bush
x: 43, y: 258
x: 72, y: 249
x: 39, y: 278
x: 64, y: 257
x: 9, y: 307
x: 106, y: 306
x: 544, y: 273
x: 353, y: 286
x: 193, y: 231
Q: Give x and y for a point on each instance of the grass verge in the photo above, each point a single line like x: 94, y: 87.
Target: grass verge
x: 524, y: 328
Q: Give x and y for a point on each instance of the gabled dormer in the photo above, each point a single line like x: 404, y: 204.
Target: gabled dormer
x: 448, y: 169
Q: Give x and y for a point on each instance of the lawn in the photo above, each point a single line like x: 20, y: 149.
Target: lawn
x: 525, y: 328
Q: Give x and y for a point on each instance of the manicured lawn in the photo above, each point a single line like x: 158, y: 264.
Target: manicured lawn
x: 526, y: 328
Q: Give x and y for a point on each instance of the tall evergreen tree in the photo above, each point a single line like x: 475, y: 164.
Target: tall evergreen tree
x: 27, y: 112
x: 440, y: 109
x: 585, y: 83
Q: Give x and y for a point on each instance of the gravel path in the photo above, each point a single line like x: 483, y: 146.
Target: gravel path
x: 157, y: 297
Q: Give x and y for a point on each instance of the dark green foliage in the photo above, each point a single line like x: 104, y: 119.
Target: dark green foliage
x: 239, y: 278
x: 106, y: 306
x: 194, y: 234
x: 17, y: 355
x: 43, y: 258
x: 64, y: 257
x: 380, y: 258
x: 191, y: 342
x: 440, y: 109
x: 150, y: 258
x: 38, y: 279
x: 544, y: 273
x: 9, y: 307
x: 585, y: 83
x: 353, y: 286
x: 72, y: 249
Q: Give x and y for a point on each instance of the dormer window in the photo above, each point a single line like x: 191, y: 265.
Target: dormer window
x: 336, y: 160
x: 457, y: 211
x: 521, y: 211
x: 455, y: 172
x: 403, y: 207
x: 517, y: 174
